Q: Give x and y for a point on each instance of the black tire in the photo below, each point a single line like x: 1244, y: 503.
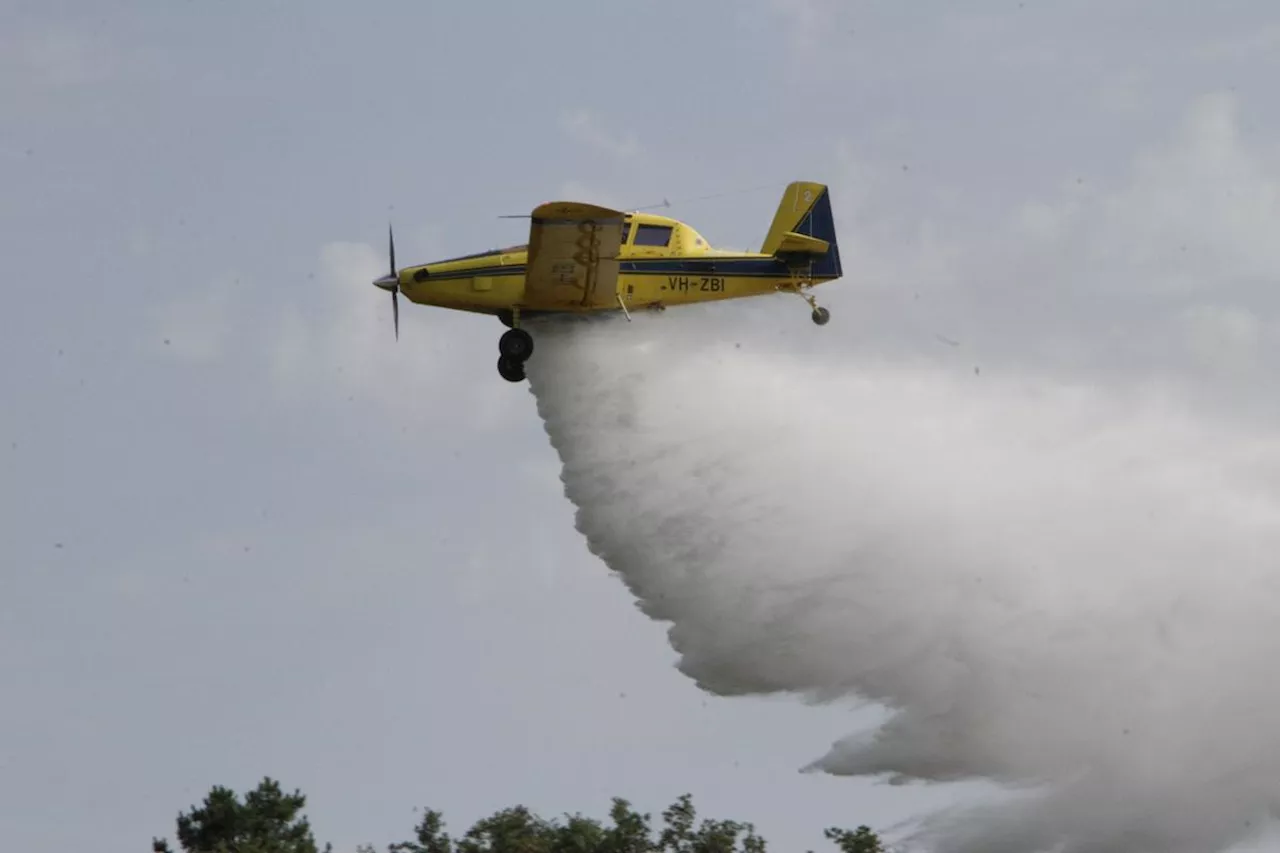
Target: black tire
x: 821, y: 316
x: 516, y: 344
x: 510, y: 369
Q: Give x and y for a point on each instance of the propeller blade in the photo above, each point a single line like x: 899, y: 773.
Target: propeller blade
x: 391, y: 248
x: 395, y: 290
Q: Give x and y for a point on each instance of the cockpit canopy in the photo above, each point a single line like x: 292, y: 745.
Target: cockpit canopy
x: 646, y: 232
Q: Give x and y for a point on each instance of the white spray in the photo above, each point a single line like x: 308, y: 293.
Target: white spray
x: 1065, y: 587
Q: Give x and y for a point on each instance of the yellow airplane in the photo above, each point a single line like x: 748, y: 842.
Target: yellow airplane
x: 583, y: 259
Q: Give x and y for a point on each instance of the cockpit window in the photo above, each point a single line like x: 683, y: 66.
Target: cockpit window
x: 653, y: 235
x: 626, y: 232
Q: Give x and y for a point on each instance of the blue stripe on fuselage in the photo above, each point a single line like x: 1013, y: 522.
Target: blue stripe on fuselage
x: 696, y: 265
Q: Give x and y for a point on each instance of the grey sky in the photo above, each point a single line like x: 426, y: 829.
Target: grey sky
x: 245, y: 532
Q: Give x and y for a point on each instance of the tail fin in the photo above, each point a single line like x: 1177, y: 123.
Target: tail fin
x: 803, y: 226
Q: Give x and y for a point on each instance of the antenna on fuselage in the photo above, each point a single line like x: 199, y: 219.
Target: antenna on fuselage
x: 665, y: 203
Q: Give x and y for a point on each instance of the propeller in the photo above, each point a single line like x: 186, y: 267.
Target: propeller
x: 395, y: 294
x: 391, y: 281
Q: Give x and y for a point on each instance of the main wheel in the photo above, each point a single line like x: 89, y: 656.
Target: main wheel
x: 516, y: 344
x: 821, y: 316
x: 511, y: 369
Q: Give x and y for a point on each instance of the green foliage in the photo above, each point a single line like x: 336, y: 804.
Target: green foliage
x: 268, y: 822
x: 430, y: 835
x: 860, y: 840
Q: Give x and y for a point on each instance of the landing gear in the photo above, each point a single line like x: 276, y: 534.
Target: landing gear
x: 511, y: 369
x: 821, y: 316
x: 516, y: 344
x: 514, y: 348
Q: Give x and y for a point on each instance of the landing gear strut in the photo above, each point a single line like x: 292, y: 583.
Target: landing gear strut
x: 821, y: 316
x: 514, y: 348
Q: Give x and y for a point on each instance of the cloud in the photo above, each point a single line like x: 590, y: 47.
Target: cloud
x: 583, y: 127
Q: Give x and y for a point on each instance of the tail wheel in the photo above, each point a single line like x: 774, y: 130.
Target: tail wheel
x: 510, y: 369
x: 516, y: 345
x: 821, y: 316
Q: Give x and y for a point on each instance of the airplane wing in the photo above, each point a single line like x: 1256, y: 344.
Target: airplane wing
x: 573, y: 256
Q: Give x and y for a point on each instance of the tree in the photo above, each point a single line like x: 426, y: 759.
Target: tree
x: 430, y: 834
x: 860, y: 840
x: 266, y: 822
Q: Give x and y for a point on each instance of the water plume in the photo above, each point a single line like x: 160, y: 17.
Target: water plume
x: 1067, y: 588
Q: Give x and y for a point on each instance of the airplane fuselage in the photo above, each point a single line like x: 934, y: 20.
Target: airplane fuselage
x: 683, y: 269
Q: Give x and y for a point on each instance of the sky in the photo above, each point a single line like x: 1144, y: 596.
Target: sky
x: 246, y: 532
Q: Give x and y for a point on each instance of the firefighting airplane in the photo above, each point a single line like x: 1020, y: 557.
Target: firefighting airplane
x: 582, y: 259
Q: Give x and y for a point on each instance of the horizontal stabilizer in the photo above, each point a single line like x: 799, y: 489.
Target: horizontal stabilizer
x: 801, y: 243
